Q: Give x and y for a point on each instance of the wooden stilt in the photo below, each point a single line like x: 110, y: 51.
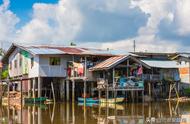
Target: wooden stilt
x: 8, y: 95
x: 149, y: 89
x: 99, y: 94
x: 29, y: 88
x: 29, y: 115
x: 62, y: 90
x: 170, y: 91
x: 176, y: 92
x: 67, y: 83
x: 53, y: 91
x: 34, y: 85
x: 73, y: 90
x: 21, y: 95
x: 39, y: 116
x: 33, y: 114
x: 39, y: 86
x: 84, y: 92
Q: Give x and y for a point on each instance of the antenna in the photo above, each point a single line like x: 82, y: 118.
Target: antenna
x: 134, y: 45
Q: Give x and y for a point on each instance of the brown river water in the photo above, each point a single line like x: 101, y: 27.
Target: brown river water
x: 73, y: 113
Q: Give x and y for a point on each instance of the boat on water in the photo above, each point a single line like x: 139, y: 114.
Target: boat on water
x: 88, y: 104
x: 35, y: 100
x: 88, y: 100
x: 112, y: 106
x: 112, y: 100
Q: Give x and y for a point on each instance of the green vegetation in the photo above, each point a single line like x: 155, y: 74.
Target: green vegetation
x: 4, y: 74
x: 72, y: 44
x: 187, y: 91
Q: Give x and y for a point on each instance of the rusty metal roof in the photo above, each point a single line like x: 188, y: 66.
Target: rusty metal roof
x: 69, y: 50
x: 52, y: 49
x: 109, y: 63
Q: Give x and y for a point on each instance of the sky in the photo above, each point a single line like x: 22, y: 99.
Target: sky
x: 155, y: 25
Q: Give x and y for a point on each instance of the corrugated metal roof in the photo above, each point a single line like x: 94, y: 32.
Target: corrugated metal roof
x: 69, y: 50
x: 45, y: 51
x: 161, y: 63
x: 187, y: 55
x: 108, y: 63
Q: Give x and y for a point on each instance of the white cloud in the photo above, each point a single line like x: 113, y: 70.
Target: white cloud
x: 183, y: 16
x: 62, y: 22
x: 52, y: 23
x: 8, y: 21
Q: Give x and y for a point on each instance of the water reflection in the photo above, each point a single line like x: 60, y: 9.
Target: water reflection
x: 73, y: 113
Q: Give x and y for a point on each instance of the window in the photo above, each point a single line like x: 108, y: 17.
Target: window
x: 32, y: 62
x: 15, y: 63
x: 55, y: 61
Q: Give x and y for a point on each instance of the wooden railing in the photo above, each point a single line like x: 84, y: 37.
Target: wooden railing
x: 151, y: 77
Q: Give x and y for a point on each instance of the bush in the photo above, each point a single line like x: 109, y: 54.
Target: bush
x: 187, y: 91
x: 4, y: 74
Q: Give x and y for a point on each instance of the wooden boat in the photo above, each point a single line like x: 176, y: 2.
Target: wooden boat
x: 88, y: 104
x: 35, y: 100
x: 112, y: 106
x: 88, y: 100
x: 112, y: 100
x: 49, y: 101
x: 41, y: 106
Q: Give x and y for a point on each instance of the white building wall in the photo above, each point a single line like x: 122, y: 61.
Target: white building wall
x: 34, y: 71
x: 41, y: 66
x: 47, y: 70
x: 184, y: 70
x: 14, y: 71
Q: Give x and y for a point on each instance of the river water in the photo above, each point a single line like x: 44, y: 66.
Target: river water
x: 74, y: 113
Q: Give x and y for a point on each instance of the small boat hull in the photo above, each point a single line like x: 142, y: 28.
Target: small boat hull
x: 35, y: 100
x: 112, y: 100
x: 88, y: 100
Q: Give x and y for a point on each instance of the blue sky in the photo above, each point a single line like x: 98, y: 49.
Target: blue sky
x: 162, y: 25
x: 23, y: 8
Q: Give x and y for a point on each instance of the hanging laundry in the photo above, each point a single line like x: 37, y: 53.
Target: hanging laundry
x: 69, y: 72
x: 140, y: 71
x: 79, y: 68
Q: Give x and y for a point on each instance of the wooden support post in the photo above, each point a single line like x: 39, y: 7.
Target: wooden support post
x: 73, y: 113
x: 34, y: 85
x: 39, y: 86
x: 99, y: 94
x: 33, y: 114
x: 107, y: 91
x: 8, y: 88
x: 39, y: 116
x: 84, y: 91
x: 176, y: 92
x: 132, y: 95
x: 67, y: 83
x: 73, y: 90
x: 62, y: 87
x: 29, y: 115
x: 149, y: 89
x: 68, y: 113
x: 29, y: 88
x: 127, y: 68
x: 113, y: 78
x: 34, y: 89
x: 53, y: 91
x: 170, y: 91
x: 21, y: 93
